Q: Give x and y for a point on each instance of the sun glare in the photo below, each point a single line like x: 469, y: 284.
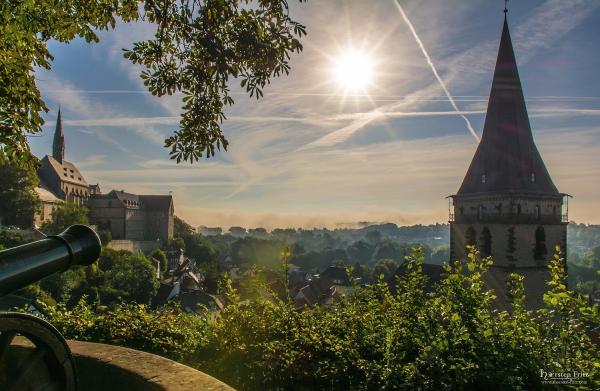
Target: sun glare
x: 353, y: 71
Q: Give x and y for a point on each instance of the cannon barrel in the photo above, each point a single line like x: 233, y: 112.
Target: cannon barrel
x: 23, y: 265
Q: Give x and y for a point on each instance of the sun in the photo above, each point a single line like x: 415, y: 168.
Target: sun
x: 353, y: 71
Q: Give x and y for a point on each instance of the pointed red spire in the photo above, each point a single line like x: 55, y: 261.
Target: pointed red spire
x: 507, y: 159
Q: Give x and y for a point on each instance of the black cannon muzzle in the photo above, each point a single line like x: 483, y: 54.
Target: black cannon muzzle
x: 23, y: 265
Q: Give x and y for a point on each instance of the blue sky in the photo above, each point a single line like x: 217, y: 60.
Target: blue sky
x: 310, y: 155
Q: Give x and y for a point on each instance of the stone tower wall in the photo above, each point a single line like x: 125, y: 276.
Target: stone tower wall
x: 512, y: 249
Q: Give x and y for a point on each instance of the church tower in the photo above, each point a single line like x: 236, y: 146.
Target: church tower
x: 60, y: 177
x: 58, y: 144
x: 508, y: 206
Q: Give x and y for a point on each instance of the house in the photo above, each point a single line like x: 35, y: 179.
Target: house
x: 322, y: 289
x: 49, y: 204
x: 133, y: 217
x: 337, y: 275
x: 185, y: 287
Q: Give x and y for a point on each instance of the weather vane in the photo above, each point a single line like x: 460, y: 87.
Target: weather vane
x: 505, y: 6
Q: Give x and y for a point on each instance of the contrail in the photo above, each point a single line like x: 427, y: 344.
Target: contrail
x: 435, y: 73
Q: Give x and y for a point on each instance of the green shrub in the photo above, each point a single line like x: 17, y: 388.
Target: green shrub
x: 167, y: 331
x: 449, y: 338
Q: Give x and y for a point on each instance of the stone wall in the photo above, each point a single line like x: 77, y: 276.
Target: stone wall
x: 107, y: 367
x: 521, y: 235
x: 512, y: 249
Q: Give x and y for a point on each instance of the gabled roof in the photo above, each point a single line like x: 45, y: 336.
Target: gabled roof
x: 336, y: 274
x: 66, y: 171
x: 46, y: 195
x: 121, y: 195
x: 156, y: 202
x: 146, y: 202
x: 128, y: 200
x: 507, y: 159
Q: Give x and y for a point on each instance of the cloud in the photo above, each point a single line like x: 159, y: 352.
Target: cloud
x: 546, y: 24
x: 226, y: 218
x: 135, y: 122
x: 564, y: 112
x: 434, y: 70
x: 549, y: 22
x: 92, y: 161
x: 403, y: 181
x: 344, y: 133
x: 77, y: 102
x: 330, y: 139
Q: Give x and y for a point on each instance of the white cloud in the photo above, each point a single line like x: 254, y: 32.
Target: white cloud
x: 546, y: 24
x: 92, y: 161
x: 77, y: 102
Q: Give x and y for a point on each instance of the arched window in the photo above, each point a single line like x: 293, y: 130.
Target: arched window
x: 532, y: 177
x: 537, y: 212
x: 539, y: 251
x: 483, y: 178
x: 519, y: 209
x: 470, y: 238
x: 554, y: 210
x: 486, y: 242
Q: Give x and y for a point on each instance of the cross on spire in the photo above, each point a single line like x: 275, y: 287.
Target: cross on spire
x: 505, y: 7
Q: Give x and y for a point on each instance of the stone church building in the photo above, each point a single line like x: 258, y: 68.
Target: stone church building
x: 127, y: 216
x: 508, y: 206
x: 61, y: 177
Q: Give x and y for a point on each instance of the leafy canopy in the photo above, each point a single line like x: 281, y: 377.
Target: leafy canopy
x: 198, y: 46
x: 18, y: 198
x: 131, y: 276
x: 64, y: 216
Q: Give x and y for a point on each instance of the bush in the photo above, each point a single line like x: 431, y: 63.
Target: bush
x: 105, y: 236
x: 447, y: 338
x: 167, y: 331
x: 10, y: 239
x: 130, y: 276
x: 64, y: 216
x: 161, y: 257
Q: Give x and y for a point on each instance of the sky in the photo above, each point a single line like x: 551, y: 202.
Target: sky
x: 313, y: 153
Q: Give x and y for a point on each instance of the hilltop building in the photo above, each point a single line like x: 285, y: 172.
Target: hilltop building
x: 133, y: 217
x: 60, y: 177
x: 129, y: 217
x: 507, y: 205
